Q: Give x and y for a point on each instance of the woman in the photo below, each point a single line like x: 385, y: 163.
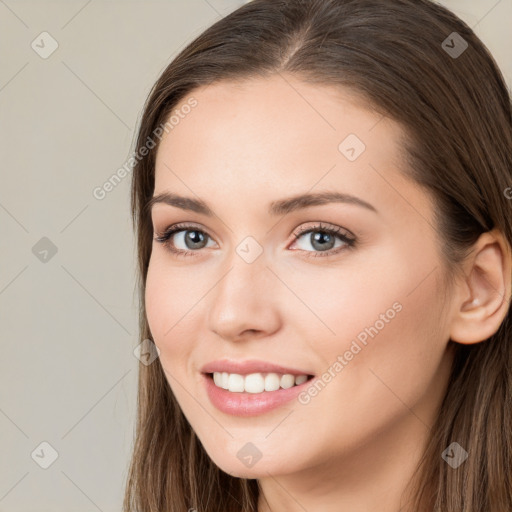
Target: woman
x: 324, y: 232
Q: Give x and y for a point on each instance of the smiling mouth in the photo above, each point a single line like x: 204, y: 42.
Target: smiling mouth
x: 259, y: 382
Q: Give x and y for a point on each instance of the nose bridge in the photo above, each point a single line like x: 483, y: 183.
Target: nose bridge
x: 243, y: 298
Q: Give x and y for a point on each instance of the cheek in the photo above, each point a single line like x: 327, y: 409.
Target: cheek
x: 157, y: 301
x: 171, y: 318
x: 369, y: 386
x: 169, y: 299
x: 392, y: 348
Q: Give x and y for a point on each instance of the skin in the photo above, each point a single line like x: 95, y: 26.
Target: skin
x: 355, y: 445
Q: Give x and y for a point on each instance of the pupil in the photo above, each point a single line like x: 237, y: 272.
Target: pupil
x: 321, y: 237
x: 195, y: 237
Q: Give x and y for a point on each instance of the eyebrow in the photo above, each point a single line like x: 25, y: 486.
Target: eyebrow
x: 280, y: 207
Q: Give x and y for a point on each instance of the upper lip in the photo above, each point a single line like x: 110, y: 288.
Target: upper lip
x: 249, y: 366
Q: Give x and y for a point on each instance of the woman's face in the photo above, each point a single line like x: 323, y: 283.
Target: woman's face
x: 366, y: 318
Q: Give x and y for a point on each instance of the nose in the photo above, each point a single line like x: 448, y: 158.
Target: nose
x: 245, y: 301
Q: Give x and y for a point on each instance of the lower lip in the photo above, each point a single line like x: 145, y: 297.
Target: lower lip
x: 250, y: 404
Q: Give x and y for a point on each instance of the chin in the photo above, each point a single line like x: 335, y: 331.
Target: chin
x: 260, y: 469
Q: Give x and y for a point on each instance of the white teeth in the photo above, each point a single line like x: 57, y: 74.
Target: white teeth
x: 300, y: 379
x: 272, y: 382
x: 256, y: 382
x: 236, y: 383
x: 287, y: 381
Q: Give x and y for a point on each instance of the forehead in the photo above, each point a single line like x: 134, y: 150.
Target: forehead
x: 275, y: 116
x: 266, y: 138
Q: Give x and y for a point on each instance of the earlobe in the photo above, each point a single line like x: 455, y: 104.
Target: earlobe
x: 484, y: 295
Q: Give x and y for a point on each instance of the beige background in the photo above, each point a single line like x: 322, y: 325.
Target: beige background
x: 68, y: 323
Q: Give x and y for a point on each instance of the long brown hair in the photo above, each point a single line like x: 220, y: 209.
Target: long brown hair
x: 455, y: 108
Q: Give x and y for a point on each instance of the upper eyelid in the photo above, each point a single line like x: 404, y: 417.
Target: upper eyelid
x: 315, y: 225
x: 296, y: 233
x: 322, y: 226
x: 180, y: 226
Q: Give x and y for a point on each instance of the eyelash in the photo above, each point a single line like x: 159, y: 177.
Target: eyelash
x: 164, y: 238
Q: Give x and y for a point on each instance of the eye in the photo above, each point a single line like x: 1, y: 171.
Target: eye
x: 183, y: 239
x: 187, y: 240
x: 323, y: 240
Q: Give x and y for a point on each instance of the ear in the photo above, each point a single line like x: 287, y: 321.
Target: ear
x: 484, y: 295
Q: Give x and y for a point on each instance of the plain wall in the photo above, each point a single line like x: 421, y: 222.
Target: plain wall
x: 68, y: 319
